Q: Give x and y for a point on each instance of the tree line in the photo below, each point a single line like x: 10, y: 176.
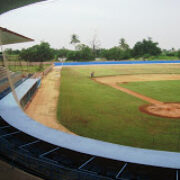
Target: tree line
x: 145, y: 49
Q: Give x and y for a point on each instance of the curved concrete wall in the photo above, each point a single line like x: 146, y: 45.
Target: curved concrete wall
x: 11, y: 112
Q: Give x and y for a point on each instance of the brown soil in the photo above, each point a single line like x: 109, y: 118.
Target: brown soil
x: 157, y: 108
x: 8, y: 172
x: 44, y: 104
x: 113, y: 83
x: 169, y: 110
x: 138, y: 77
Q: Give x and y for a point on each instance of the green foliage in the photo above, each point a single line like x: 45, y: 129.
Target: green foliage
x: 37, y: 53
x: 121, y: 52
x: 172, y: 52
x: 162, y: 57
x: 115, y: 53
x: 178, y: 54
x: 29, y: 69
x: 10, y: 51
x: 146, y: 47
x: 74, y: 40
x: 83, y: 54
x: 143, y: 50
x: 123, y: 45
x: 62, y: 53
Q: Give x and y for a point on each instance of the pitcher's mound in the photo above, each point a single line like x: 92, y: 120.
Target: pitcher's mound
x: 169, y: 110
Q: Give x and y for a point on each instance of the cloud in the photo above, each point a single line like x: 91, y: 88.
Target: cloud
x: 54, y: 21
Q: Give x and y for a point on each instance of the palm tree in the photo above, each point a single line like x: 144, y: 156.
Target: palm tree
x: 123, y: 45
x: 74, y: 39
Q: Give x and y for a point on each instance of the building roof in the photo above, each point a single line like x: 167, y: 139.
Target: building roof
x: 10, y: 37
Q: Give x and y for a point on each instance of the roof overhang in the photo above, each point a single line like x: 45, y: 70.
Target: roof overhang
x: 10, y: 37
x: 7, y: 5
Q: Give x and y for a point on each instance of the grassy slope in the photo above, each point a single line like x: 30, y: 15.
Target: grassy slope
x: 98, y: 111
x: 30, y: 69
x: 160, y: 57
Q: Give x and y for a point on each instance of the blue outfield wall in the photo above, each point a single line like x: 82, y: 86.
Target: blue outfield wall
x: 115, y: 62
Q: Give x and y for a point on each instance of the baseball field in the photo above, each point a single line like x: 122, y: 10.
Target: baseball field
x: 134, y: 105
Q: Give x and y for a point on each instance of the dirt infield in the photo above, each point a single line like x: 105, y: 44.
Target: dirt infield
x: 44, y: 104
x: 157, y: 108
x: 137, y: 77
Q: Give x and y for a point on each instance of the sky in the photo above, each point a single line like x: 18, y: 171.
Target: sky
x: 54, y: 21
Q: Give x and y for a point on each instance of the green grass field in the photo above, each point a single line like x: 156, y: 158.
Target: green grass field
x: 165, y: 91
x: 94, y: 110
x: 29, y: 69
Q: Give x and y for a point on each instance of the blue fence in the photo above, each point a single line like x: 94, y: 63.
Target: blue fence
x: 115, y: 62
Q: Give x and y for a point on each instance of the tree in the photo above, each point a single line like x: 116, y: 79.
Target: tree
x: 123, y: 45
x: 10, y: 51
x: 62, y: 53
x: 95, y: 45
x: 74, y: 39
x: 79, y: 47
x: 146, y: 47
x: 84, y: 53
x: 114, y: 53
x: 126, y: 51
x: 178, y: 53
x: 38, y: 53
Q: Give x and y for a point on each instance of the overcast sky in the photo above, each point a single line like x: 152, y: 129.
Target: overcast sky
x: 55, y: 21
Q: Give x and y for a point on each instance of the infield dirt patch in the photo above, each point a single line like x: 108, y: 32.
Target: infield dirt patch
x: 43, y: 107
x: 137, y: 77
x: 157, y: 108
x: 169, y: 110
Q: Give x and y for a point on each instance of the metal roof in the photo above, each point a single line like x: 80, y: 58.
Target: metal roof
x: 7, y: 5
x: 10, y: 37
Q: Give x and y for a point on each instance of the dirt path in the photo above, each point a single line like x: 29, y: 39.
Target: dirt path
x: 44, y: 104
x: 132, y: 93
x: 140, y: 96
x: 138, y: 78
x: 114, y: 82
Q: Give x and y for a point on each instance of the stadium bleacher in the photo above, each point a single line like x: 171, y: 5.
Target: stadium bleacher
x: 38, y: 147
x: 16, y: 77
x: 104, y: 167
x: 134, y: 171
x: 59, y: 158
x: 20, y: 139
x: 67, y: 157
x: 55, y: 162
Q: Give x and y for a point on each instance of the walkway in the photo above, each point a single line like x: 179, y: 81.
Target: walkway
x: 44, y: 104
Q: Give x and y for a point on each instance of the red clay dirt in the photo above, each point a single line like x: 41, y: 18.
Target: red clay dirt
x: 157, y: 108
x: 169, y: 110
